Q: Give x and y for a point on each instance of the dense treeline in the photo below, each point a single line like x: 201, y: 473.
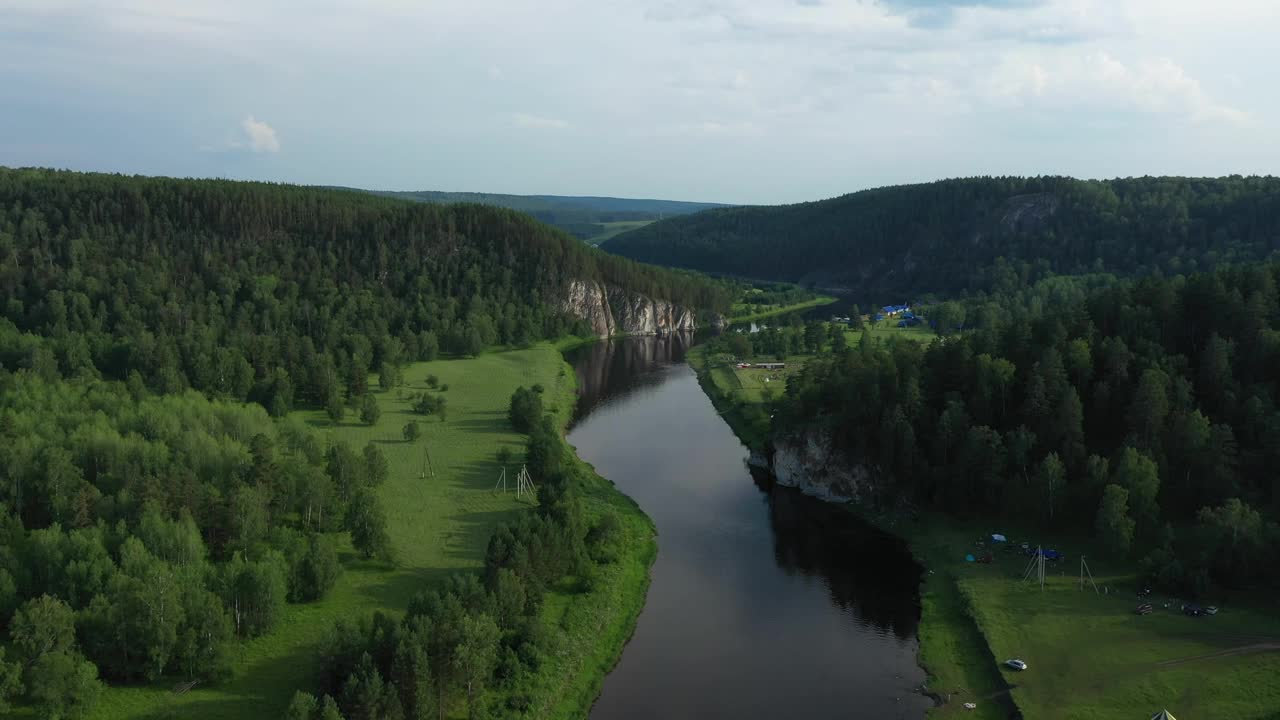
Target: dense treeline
x: 142, y: 535
x: 277, y: 294
x: 946, y: 236
x: 479, y: 632
x: 581, y: 217
x: 1147, y: 410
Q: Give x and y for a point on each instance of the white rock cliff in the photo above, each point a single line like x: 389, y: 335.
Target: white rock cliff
x: 612, y: 311
x: 809, y: 463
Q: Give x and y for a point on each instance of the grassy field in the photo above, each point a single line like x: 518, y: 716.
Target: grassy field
x: 439, y: 525
x: 742, y: 312
x: 611, y: 229
x: 888, y: 328
x: 1090, y: 656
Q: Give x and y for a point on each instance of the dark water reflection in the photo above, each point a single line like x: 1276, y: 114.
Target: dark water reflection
x: 765, y: 603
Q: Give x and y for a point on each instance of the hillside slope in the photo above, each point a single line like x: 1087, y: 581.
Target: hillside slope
x: 946, y: 236
x: 588, y: 218
x: 276, y: 292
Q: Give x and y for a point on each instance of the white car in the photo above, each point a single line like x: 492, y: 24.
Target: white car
x: 1015, y: 664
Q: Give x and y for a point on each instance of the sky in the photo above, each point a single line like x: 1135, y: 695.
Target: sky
x: 739, y: 101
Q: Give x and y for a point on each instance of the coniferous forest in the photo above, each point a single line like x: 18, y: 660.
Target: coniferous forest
x: 1147, y: 411
x: 945, y: 237
x: 156, y: 505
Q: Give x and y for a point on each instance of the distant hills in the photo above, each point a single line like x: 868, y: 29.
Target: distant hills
x: 590, y: 219
x: 978, y: 233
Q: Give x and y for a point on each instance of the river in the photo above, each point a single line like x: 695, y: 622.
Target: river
x: 765, y: 603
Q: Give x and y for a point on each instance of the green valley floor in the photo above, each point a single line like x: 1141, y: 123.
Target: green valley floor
x: 440, y: 524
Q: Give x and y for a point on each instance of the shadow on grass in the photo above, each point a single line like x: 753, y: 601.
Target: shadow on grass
x: 493, y: 425
x: 471, y: 538
x: 398, y: 588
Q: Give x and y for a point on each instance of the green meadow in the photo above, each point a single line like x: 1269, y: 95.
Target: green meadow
x: 439, y: 524
x: 1089, y: 654
x: 746, y: 312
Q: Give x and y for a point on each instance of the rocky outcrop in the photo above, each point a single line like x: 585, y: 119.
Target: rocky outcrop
x: 1028, y: 213
x: 808, y: 461
x: 612, y: 311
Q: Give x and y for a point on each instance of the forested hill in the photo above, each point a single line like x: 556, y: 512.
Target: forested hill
x: 276, y: 293
x: 587, y: 218
x: 947, y: 236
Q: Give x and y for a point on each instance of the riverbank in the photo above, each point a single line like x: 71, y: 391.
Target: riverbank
x: 1090, y: 655
x: 596, y: 616
x: 439, y: 525
x: 952, y: 649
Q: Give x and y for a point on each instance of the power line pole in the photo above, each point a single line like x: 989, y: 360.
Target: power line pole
x: 1084, y: 571
x: 524, y: 482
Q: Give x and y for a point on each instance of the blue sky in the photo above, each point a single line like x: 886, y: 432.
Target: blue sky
x: 752, y: 101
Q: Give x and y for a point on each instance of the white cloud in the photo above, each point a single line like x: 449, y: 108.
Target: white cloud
x: 1100, y: 84
x: 259, y: 136
x: 737, y: 100
x: 538, y: 122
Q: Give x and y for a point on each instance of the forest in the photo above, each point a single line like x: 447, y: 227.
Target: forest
x: 277, y: 294
x: 585, y: 218
x: 1145, y: 410
x: 157, y: 505
x: 945, y: 237
x: 477, y: 631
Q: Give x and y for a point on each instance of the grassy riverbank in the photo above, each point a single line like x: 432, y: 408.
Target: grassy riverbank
x: 1090, y: 655
x: 440, y: 524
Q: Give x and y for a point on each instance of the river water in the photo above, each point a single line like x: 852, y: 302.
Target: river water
x: 765, y: 603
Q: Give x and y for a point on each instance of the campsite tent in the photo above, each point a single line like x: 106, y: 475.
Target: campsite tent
x: 997, y: 537
x: 1163, y: 715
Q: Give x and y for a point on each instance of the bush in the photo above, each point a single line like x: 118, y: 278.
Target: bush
x: 526, y: 409
x: 604, y: 537
x: 369, y: 410
x: 411, y: 431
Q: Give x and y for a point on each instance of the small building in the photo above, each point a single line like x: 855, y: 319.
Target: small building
x: 770, y: 366
x: 891, y: 310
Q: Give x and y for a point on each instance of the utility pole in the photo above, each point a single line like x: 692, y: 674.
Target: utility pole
x: 1084, y: 571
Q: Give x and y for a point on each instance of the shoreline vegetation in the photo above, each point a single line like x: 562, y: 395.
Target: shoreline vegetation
x: 437, y: 532
x: 1090, y: 655
x: 227, y: 401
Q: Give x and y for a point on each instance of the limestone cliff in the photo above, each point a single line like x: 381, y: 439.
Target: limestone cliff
x: 613, y: 311
x: 807, y: 461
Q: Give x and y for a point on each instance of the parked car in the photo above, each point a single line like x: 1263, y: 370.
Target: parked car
x: 1144, y: 609
x: 1015, y: 664
x: 1211, y: 610
x: 1192, y: 610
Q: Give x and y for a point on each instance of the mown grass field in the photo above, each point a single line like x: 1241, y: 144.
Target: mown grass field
x: 612, y: 229
x: 1089, y: 654
x: 744, y: 312
x: 439, y: 525
x: 888, y: 328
